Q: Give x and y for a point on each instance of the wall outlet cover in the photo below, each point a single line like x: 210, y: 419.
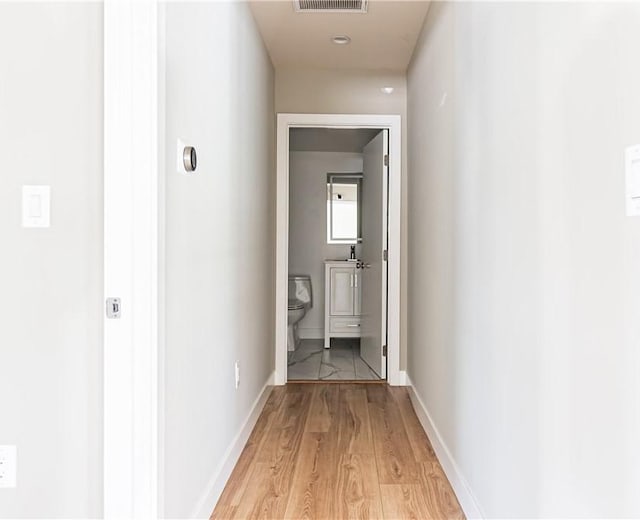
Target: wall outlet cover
x: 632, y: 174
x: 8, y: 460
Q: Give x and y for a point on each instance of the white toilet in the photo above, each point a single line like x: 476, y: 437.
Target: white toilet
x: 300, y: 301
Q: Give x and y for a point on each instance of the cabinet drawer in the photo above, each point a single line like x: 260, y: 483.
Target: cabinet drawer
x: 345, y: 324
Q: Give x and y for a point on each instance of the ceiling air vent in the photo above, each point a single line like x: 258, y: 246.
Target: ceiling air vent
x: 336, y: 6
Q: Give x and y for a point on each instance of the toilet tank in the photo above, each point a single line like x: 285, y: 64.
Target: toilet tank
x: 300, y: 289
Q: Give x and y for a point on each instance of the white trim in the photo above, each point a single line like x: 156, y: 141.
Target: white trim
x: 211, y: 494
x: 162, y: 53
x: 460, y: 485
x: 130, y: 460
x: 393, y: 124
x: 403, y: 378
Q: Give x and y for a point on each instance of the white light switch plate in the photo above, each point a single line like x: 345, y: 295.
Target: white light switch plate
x: 36, y: 205
x: 8, y: 458
x: 632, y: 196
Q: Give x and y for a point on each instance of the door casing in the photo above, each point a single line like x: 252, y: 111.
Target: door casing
x: 131, y: 259
x: 392, y: 123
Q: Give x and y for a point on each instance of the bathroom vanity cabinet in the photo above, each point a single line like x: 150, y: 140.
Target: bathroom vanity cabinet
x: 342, y: 300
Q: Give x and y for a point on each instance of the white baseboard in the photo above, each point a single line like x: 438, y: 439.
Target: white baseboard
x: 311, y: 333
x: 398, y: 378
x: 209, y: 498
x: 460, y: 485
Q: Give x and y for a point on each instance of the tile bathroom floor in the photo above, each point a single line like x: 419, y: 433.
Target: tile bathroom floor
x: 311, y: 361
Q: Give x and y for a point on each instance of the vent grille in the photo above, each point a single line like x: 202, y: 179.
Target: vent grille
x: 342, y: 6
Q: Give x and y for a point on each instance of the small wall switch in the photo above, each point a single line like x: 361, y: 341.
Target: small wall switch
x: 36, y: 206
x: 8, y: 458
x: 237, y: 374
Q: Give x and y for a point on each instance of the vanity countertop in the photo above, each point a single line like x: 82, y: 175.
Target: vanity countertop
x: 342, y: 261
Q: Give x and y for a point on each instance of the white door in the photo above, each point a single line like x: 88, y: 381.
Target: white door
x: 374, y: 242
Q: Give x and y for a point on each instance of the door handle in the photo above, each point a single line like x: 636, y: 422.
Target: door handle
x: 365, y: 266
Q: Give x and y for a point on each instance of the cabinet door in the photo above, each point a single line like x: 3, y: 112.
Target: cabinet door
x: 342, y: 282
x: 357, y: 292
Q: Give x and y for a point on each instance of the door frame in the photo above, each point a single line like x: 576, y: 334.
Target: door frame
x: 131, y: 259
x: 392, y: 123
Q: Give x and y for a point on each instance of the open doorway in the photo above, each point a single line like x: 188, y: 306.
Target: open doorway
x: 337, y: 284
x: 338, y: 248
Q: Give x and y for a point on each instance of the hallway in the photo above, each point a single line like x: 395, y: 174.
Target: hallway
x: 167, y: 166
x: 338, y: 451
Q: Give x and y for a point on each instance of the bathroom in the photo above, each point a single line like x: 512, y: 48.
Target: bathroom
x: 337, y: 214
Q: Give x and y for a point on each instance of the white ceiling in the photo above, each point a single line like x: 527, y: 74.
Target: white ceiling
x: 381, y: 39
x: 330, y: 139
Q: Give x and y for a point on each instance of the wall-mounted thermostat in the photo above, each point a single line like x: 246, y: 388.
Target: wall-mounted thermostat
x: 632, y: 157
x: 189, y: 158
x: 186, y: 158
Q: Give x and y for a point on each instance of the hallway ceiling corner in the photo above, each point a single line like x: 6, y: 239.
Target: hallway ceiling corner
x: 381, y: 39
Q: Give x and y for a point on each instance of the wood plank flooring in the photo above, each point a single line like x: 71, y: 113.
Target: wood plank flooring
x: 338, y: 451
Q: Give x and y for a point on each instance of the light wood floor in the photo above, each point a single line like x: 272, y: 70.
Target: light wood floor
x: 338, y: 451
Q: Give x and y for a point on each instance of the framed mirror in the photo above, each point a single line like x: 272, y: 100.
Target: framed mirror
x: 344, y: 208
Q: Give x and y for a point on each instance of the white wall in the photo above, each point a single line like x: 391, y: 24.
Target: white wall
x: 308, y: 248
x: 339, y: 91
x: 333, y: 91
x: 524, y: 301
x: 220, y: 230
x: 51, y: 279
